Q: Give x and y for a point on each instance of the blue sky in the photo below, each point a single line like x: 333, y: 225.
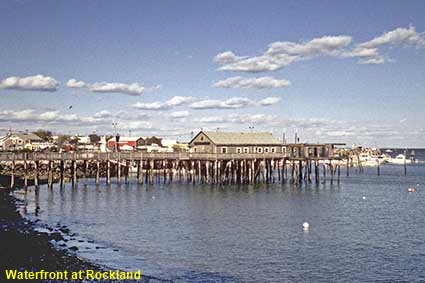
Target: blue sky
x: 343, y: 71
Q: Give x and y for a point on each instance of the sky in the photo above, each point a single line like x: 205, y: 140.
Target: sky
x: 333, y: 71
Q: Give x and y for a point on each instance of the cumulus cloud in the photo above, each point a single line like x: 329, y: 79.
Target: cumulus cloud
x: 397, y: 36
x: 130, y: 89
x: 283, y: 53
x: 252, y: 83
x: 73, y: 83
x: 269, y: 101
x: 37, y: 82
x: 30, y: 115
x: 164, y: 105
x: 134, y: 89
x: 368, y: 51
x: 231, y: 103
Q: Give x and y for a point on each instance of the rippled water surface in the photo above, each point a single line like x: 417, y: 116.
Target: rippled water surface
x: 366, y: 228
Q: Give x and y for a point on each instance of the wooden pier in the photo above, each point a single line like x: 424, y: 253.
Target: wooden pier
x: 150, y: 168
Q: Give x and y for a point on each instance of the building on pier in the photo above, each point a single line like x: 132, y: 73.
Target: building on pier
x: 235, y: 143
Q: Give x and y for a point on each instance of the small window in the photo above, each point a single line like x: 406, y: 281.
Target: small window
x: 273, y: 150
x: 194, y: 149
x: 202, y: 138
x: 259, y: 150
x: 245, y: 150
x: 238, y: 150
x: 283, y: 150
x: 224, y: 150
x: 266, y: 150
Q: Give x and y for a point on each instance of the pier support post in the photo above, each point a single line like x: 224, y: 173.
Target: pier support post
x: 12, y: 176
x: 97, y: 171
x: 36, y: 173
x: 62, y: 169
x: 108, y: 172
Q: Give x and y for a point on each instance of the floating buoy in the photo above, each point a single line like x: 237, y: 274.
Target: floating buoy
x: 306, y: 225
x: 363, y: 197
x: 153, y: 197
x: 411, y: 190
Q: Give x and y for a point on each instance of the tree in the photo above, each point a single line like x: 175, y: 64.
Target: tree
x: 94, y: 139
x: 61, y: 141
x: 45, y: 135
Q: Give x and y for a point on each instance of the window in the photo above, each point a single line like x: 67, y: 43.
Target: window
x: 259, y: 150
x: 273, y: 150
x: 245, y: 150
x: 266, y: 150
x: 238, y: 150
x: 283, y: 150
x: 224, y: 150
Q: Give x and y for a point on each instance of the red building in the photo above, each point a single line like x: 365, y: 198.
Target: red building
x: 125, y: 143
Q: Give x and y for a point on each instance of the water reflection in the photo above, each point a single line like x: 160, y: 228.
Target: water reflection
x: 250, y: 233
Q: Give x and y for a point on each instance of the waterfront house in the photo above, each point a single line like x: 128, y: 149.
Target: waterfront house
x: 20, y: 141
x: 235, y: 143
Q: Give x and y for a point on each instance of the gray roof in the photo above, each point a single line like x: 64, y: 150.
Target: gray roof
x: 28, y: 136
x: 235, y: 138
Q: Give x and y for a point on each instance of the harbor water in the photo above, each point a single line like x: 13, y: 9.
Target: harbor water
x: 364, y: 228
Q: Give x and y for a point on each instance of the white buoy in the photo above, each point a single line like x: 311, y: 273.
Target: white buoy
x: 306, y: 225
x: 363, y: 197
x: 153, y: 197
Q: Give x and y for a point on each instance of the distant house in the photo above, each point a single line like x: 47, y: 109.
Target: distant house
x: 235, y: 143
x: 125, y: 143
x: 19, y: 141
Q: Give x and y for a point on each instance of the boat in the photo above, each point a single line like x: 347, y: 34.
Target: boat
x: 400, y: 159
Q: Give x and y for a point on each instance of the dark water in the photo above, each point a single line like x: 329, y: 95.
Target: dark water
x: 201, y: 233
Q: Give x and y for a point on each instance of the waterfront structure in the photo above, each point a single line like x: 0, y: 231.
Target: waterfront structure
x: 125, y: 143
x: 235, y: 143
x: 20, y: 141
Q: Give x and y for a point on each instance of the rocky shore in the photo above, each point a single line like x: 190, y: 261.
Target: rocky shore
x: 23, y: 248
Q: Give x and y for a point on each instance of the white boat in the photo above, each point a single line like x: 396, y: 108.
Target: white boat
x: 367, y: 159
x: 400, y: 159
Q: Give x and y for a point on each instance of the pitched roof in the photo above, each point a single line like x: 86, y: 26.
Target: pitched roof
x: 235, y: 138
x: 28, y: 136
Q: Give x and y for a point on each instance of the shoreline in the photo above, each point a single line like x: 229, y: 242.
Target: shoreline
x: 25, y: 249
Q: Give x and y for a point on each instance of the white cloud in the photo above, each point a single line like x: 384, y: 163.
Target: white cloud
x: 252, y: 83
x: 179, y: 114
x: 326, y: 45
x: 130, y: 89
x: 37, y: 82
x: 227, y: 57
x: 269, y: 101
x: 30, y: 115
x: 164, y: 105
x: 281, y: 54
x: 73, y: 83
x: 396, y: 36
x: 102, y: 114
x: 231, y: 103
x: 134, y: 89
x: 368, y: 51
x: 137, y: 125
